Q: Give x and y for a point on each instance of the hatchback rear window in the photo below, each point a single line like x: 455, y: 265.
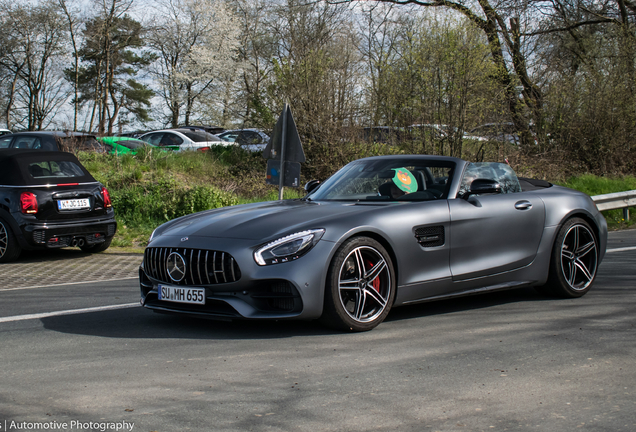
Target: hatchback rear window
x: 59, y: 169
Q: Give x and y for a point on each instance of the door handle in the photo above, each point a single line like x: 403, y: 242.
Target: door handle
x: 523, y: 205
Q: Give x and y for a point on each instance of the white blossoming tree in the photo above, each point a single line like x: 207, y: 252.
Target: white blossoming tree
x: 196, y: 41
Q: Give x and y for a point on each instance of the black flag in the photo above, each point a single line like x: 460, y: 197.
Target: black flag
x: 293, y: 148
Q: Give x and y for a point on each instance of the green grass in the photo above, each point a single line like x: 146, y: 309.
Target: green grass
x: 594, y: 185
x: 153, y: 187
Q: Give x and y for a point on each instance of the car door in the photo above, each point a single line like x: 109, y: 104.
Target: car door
x: 495, y: 233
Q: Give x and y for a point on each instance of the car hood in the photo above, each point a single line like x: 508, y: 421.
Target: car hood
x: 261, y: 221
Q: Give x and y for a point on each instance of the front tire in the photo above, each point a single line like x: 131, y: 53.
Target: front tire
x: 574, y: 260
x: 9, y: 247
x: 360, y: 286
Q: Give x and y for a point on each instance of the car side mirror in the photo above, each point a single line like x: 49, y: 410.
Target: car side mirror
x: 312, y: 185
x: 483, y: 186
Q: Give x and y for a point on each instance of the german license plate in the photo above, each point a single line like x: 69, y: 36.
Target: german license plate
x: 181, y: 294
x: 74, y: 204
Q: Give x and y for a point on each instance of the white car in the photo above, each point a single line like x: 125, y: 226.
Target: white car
x: 183, y: 139
x: 5, y: 132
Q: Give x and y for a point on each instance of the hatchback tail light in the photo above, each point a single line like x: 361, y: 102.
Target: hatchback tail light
x: 106, y: 195
x: 203, y: 149
x: 28, y: 203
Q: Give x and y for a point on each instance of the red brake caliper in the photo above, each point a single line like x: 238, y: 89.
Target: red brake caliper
x: 376, y: 282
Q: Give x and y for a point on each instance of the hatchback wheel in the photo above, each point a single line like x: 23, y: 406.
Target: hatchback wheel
x: 9, y: 247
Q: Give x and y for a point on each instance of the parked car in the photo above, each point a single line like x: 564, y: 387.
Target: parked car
x: 51, y: 140
x: 503, y: 132
x: 249, y: 139
x: 5, y: 132
x: 182, y: 139
x: 381, y: 232
x: 119, y: 145
x: 49, y: 200
x: 383, y: 134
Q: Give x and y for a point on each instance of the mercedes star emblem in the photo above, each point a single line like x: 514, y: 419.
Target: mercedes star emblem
x: 176, y: 266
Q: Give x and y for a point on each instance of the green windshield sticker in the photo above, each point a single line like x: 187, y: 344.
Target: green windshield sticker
x: 404, y: 180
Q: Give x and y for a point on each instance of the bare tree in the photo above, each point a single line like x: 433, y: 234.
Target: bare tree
x: 33, y: 39
x: 504, y: 35
x: 73, y: 24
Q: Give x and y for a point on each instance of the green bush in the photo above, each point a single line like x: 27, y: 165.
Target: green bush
x: 156, y: 203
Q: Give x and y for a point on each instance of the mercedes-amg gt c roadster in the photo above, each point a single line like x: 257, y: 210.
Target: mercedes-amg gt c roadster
x: 381, y: 232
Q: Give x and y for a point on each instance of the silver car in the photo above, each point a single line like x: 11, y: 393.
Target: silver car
x: 380, y: 233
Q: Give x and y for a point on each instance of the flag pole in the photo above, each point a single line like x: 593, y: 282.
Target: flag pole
x: 282, y: 153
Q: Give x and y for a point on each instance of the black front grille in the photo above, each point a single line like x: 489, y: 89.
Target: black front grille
x: 430, y: 236
x: 203, y: 267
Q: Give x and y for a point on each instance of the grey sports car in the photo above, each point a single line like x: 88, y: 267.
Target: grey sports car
x: 381, y: 232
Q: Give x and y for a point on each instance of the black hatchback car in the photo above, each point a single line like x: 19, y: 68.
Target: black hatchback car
x: 49, y: 200
x: 51, y: 140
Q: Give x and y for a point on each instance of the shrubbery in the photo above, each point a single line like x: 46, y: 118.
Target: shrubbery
x: 155, y: 203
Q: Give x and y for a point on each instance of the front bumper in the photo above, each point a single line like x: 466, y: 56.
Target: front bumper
x: 235, y: 286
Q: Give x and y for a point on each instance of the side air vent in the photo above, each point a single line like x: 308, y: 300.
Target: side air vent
x: 430, y: 236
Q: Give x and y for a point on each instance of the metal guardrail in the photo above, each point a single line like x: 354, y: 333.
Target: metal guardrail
x: 617, y: 200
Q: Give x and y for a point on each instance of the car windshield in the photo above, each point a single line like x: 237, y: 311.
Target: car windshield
x: 395, y: 179
x: 500, y: 172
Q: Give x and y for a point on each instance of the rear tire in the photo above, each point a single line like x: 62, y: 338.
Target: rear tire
x: 360, y: 286
x: 574, y: 260
x: 9, y: 247
x: 97, y: 248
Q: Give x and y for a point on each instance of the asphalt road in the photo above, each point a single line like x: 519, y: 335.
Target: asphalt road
x: 503, y: 361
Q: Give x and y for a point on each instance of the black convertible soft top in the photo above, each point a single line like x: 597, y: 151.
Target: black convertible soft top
x: 17, y: 168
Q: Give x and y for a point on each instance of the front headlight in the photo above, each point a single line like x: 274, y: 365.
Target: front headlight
x: 288, y: 248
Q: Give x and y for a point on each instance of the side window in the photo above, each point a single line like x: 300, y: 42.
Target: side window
x: 249, y: 137
x: 4, y: 142
x: 37, y: 144
x: 153, y: 139
x: 230, y: 136
x: 170, y: 139
x: 26, y: 142
x: 500, y: 172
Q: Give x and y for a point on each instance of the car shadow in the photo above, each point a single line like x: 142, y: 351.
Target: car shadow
x: 139, y: 323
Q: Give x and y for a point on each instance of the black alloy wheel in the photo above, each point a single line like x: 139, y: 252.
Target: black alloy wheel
x: 574, y: 260
x: 9, y: 247
x: 360, y: 286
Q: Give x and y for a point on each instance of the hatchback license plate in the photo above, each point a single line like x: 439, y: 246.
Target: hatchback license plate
x: 181, y: 295
x: 74, y: 204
